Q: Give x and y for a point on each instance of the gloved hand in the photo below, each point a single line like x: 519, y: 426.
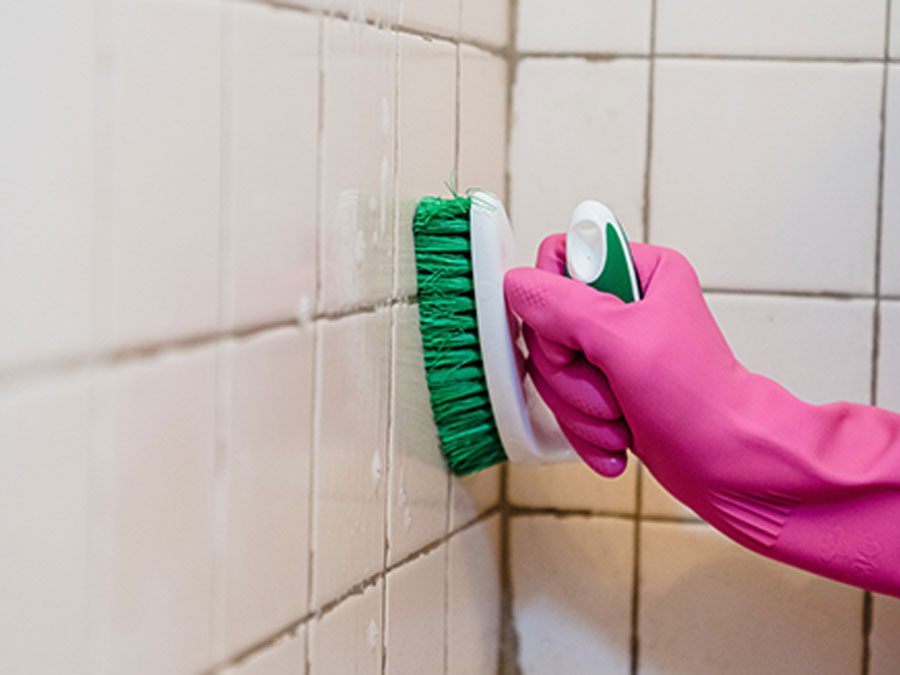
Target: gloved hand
x: 814, y: 486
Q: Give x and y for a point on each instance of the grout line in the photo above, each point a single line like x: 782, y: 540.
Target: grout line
x: 199, y: 340
x: 315, y: 431
x: 291, y: 629
x: 77, y: 362
x: 375, y: 22
x: 392, y: 347
x: 560, y: 513
x: 819, y: 295
x: 867, y: 616
x: 773, y: 58
x: 508, y: 649
x: 648, y: 150
x: 635, y: 601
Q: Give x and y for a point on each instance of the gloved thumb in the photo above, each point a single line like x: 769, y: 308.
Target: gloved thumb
x: 566, y: 311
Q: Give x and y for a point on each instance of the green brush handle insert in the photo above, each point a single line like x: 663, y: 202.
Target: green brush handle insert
x: 597, y: 252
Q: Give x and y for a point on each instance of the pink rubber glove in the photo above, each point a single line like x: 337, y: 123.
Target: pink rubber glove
x: 814, y: 486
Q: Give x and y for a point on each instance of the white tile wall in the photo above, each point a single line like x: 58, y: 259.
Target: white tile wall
x: 418, y: 479
x: 750, y: 190
x: 357, y: 165
x: 836, y: 28
x: 473, y: 616
x: 44, y: 436
x: 819, y: 349
x: 592, y: 145
x: 885, y: 625
x: 151, y: 515
x: 485, y: 21
x: 268, y: 446
x: 571, y: 486
x: 270, y: 155
x: 889, y: 356
x: 890, y: 275
x: 472, y: 495
x: 179, y: 170
x: 348, y: 639
x: 160, y: 196
x: 350, y: 454
x: 589, y: 26
x: 707, y: 605
x: 427, y: 119
x: 571, y: 585
x: 482, y: 120
x: 416, y: 616
x: 46, y: 181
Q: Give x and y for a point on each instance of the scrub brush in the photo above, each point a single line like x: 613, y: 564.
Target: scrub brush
x: 483, y: 410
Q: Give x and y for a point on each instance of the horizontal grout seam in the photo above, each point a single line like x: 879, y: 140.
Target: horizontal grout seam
x: 383, y: 24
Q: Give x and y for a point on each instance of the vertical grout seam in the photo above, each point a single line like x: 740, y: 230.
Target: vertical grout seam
x: 315, y: 432
x: 648, y: 141
x: 867, y: 604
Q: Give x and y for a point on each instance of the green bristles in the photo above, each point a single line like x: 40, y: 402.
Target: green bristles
x: 453, y: 366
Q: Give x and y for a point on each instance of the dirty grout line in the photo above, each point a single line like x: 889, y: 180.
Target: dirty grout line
x: 867, y: 599
x: 767, y: 58
x: 379, y: 23
x: 292, y: 629
x: 562, y: 514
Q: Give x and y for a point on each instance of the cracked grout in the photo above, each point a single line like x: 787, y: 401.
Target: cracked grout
x: 356, y: 590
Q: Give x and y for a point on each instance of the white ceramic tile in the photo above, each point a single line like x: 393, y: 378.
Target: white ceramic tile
x: 760, y: 194
x: 571, y: 486
x: 268, y: 440
x: 44, y: 436
x: 152, y: 474
x: 771, y: 27
x: 46, y: 181
x: 348, y: 639
x: 598, y: 26
x: 571, y: 586
x: 434, y: 16
x: 819, y: 349
x: 349, y: 483
x: 473, y: 618
x: 271, y: 135
x: 885, y: 654
x: 160, y: 200
x: 472, y: 495
x: 485, y: 21
x: 895, y: 33
x: 418, y: 480
x: 357, y: 199
x: 708, y: 605
x: 416, y: 614
x: 426, y: 162
x: 482, y: 121
x: 656, y: 501
x: 889, y: 356
x: 890, y: 248
x: 592, y: 145
x: 285, y: 657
